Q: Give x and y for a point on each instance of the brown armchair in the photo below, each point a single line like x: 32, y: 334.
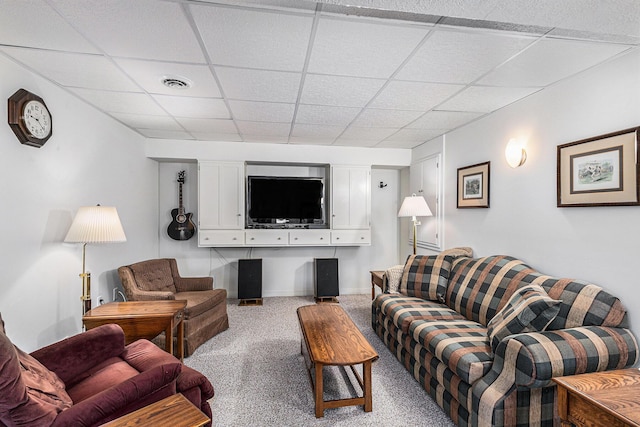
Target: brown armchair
x: 158, y: 279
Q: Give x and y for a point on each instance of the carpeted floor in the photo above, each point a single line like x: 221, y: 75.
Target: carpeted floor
x: 260, y: 379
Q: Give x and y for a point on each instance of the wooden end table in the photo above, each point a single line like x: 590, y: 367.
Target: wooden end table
x: 329, y: 337
x: 377, y: 279
x: 606, y: 399
x: 172, y: 411
x: 142, y: 319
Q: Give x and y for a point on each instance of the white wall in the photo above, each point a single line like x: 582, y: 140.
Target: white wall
x: 90, y: 159
x: 597, y: 244
x: 286, y: 271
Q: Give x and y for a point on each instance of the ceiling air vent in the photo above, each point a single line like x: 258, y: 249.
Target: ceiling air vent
x: 176, y: 82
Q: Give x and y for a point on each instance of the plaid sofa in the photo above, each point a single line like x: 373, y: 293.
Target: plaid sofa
x: 439, y: 324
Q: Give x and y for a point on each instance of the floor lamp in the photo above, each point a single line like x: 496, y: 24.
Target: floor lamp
x: 94, y: 224
x: 414, y: 206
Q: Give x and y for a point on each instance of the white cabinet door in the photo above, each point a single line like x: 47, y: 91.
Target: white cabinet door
x: 425, y: 180
x: 221, y: 195
x: 350, y: 197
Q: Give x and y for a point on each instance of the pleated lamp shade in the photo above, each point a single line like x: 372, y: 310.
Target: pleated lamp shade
x: 96, y: 224
x: 414, y: 206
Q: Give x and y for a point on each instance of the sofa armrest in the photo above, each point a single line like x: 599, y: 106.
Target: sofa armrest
x: 131, y: 394
x: 152, y: 295
x: 186, y: 284
x: 77, y: 354
x: 538, y: 357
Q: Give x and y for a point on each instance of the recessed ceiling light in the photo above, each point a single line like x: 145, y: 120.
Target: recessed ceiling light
x: 176, y: 82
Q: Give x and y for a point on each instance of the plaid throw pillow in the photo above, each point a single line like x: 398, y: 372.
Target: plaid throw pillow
x: 529, y: 309
x: 425, y: 276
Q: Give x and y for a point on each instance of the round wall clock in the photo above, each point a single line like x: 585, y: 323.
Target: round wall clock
x: 29, y: 118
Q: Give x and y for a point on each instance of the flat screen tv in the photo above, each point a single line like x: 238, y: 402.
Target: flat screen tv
x: 281, y: 202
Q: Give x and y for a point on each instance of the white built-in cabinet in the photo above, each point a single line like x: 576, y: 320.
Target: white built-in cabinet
x: 425, y: 179
x: 221, y: 210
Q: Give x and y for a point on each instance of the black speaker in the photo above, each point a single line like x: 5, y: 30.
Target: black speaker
x: 250, y: 279
x: 325, y: 277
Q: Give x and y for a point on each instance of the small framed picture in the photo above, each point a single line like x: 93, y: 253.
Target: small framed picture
x: 599, y: 171
x: 473, y: 186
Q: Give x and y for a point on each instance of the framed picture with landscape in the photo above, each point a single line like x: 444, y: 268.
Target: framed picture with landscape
x: 599, y: 171
x: 473, y: 186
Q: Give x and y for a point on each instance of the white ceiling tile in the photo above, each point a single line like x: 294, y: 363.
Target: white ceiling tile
x: 461, y: 56
x: 201, y: 108
x: 361, y: 48
x: 265, y: 138
x: 207, y: 125
x: 372, y: 117
x: 74, y: 69
x: 259, y: 85
x: 216, y: 136
x: 324, y: 115
x: 165, y: 134
x: 339, y: 91
x: 443, y: 120
x: 401, y: 95
x: 146, y: 29
x: 142, y: 121
x: 46, y: 30
x: 319, y: 131
x: 398, y: 144
x: 356, y: 142
x: 262, y: 111
x: 415, y: 136
x: 149, y: 75
x: 311, y: 140
x: 280, y: 130
x: 254, y: 39
x: 550, y: 60
x: 373, y: 134
x: 484, y: 99
x: 121, y: 102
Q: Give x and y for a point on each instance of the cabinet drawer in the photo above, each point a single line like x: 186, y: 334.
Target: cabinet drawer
x: 221, y: 238
x: 309, y: 237
x: 351, y: 238
x: 266, y: 237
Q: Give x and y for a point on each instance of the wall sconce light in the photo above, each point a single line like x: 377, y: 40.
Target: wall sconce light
x: 515, y: 153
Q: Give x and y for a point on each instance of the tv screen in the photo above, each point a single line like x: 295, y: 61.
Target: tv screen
x: 285, y: 200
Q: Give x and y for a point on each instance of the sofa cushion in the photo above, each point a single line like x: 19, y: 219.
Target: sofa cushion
x: 479, y: 288
x: 403, y: 310
x: 392, y: 277
x: 425, y: 276
x: 529, y: 309
x: 105, y: 375
x: 30, y: 394
x: 200, y: 301
x: 462, y: 345
x: 154, y: 275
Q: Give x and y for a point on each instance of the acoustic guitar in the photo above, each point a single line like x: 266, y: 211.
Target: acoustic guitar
x: 181, y: 227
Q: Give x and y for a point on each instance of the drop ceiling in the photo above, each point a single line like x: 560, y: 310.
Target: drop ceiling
x: 370, y: 73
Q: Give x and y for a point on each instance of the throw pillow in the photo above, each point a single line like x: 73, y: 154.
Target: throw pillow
x: 425, y: 276
x: 529, y: 309
x: 393, y: 275
x: 30, y: 394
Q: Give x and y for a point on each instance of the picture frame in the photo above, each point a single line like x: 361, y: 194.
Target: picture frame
x: 599, y: 171
x: 473, y: 186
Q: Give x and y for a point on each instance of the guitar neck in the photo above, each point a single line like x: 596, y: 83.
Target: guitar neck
x: 180, y: 206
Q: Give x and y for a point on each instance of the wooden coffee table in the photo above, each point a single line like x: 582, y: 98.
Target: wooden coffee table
x: 172, y: 411
x: 330, y: 338
x: 142, y: 319
x: 607, y: 399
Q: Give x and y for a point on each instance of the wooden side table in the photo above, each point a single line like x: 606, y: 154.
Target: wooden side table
x: 142, y: 319
x: 377, y: 279
x: 606, y: 399
x: 172, y: 411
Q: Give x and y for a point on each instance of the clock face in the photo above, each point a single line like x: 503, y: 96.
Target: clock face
x: 37, y: 119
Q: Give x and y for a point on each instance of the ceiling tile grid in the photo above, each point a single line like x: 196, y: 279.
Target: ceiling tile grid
x: 310, y: 72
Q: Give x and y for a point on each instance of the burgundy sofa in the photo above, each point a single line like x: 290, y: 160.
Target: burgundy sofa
x: 89, y: 379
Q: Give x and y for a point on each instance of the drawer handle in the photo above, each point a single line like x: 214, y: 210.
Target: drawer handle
x: 235, y: 238
x: 206, y: 238
x: 239, y: 214
x: 253, y: 238
x: 295, y: 238
x: 322, y: 238
x: 361, y: 237
x: 337, y: 238
x: 279, y: 238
